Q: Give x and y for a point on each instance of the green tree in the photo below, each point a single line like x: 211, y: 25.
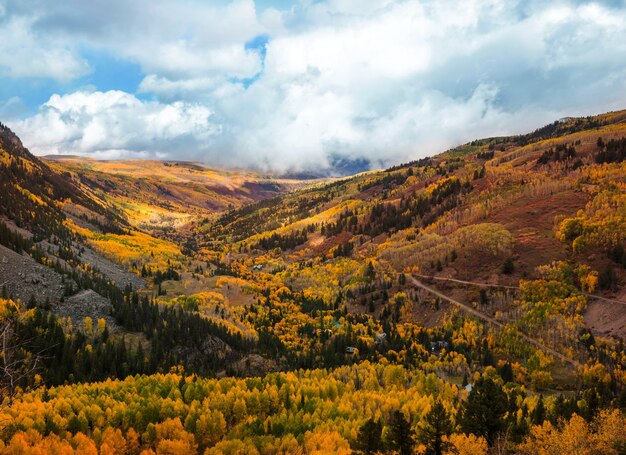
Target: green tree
x: 608, y: 278
x: 506, y: 372
x: 435, y: 426
x: 539, y: 413
x: 483, y: 412
x: 368, y: 439
x: 401, y: 436
x: 370, y: 273
x: 508, y: 267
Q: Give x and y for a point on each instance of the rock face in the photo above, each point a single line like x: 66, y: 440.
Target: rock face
x: 111, y: 270
x: 24, y: 278
x: 254, y: 365
x: 212, y: 345
x: 86, y: 303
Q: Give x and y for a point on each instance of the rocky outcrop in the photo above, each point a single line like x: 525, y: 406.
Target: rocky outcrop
x: 24, y: 278
x: 86, y: 303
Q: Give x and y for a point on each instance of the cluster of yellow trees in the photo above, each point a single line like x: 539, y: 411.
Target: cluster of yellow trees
x: 300, y: 412
x: 605, y: 435
x: 486, y: 239
x: 134, y: 248
x: 602, y: 223
x: 181, y: 414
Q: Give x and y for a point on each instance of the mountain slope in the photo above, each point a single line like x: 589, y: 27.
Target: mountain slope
x: 491, y: 211
x: 162, y: 196
x: 71, y: 260
x: 480, y: 278
x: 31, y: 192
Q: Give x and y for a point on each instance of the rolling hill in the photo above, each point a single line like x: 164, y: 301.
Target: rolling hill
x: 165, y: 195
x: 329, y: 310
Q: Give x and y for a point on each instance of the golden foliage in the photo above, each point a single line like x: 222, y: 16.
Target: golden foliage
x: 578, y: 437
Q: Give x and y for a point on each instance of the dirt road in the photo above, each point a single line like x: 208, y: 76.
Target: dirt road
x: 492, y: 321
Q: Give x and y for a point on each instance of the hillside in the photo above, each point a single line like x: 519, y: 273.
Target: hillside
x: 162, y: 196
x: 73, y: 258
x: 379, y: 297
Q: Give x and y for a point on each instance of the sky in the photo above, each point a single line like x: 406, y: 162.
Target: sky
x: 300, y: 86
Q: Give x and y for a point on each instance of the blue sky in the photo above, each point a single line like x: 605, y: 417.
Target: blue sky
x: 292, y: 86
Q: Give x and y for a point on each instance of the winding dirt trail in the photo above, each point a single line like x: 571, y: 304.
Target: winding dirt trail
x: 492, y: 321
x: 500, y: 286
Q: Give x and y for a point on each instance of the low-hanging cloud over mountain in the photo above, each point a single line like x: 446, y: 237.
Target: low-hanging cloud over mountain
x: 292, y: 89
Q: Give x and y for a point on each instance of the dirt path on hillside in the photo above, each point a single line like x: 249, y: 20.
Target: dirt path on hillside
x: 602, y: 316
x: 492, y: 321
x: 489, y: 285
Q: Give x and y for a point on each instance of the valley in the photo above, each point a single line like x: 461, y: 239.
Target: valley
x: 169, y: 307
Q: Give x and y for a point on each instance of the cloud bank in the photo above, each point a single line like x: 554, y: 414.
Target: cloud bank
x: 292, y: 90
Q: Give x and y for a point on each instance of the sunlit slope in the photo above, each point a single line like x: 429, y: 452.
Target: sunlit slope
x: 489, y: 211
x: 166, y: 194
x: 377, y: 295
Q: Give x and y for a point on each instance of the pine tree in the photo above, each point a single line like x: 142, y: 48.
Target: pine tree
x: 368, y: 439
x: 539, y: 413
x: 401, y: 436
x: 435, y: 426
x: 506, y: 372
x: 508, y: 267
x: 483, y: 412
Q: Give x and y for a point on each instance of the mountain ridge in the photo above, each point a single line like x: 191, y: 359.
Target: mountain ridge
x: 471, y: 273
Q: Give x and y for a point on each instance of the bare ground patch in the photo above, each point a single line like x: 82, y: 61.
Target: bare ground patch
x: 24, y: 278
x: 86, y: 303
x: 606, y: 319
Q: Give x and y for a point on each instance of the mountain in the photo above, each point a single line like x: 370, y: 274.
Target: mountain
x: 76, y: 249
x: 337, y: 315
x: 164, y: 195
x: 31, y: 192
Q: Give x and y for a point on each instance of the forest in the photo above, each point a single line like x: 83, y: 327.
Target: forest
x: 468, y: 303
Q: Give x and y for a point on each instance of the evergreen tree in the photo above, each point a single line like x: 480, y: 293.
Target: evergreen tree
x: 607, y: 279
x: 401, y: 436
x: 368, y: 439
x: 435, y: 426
x: 506, y: 372
x: 508, y: 267
x: 539, y: 413
x: 370, y: 273
x: 483, y: 412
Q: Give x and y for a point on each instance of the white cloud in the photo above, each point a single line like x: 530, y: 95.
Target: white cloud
x: 115, y: 123
x: 384, y: 80
x: 185, y: 39
x: 168, y: 89
x: 23, y: 54
x: 411, y: 79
